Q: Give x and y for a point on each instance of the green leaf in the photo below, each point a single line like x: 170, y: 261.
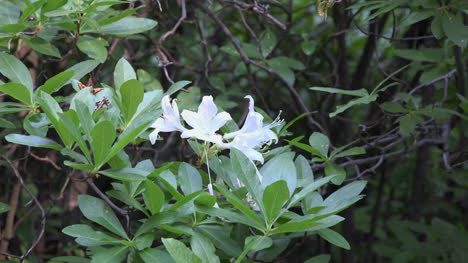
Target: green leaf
x: 354, y: 102
x: 153, y: 255
x: 83, y: 68
x: 128, y: 26
x: 9, y: 13
x: 71, y: 259
x: 408, y: 123
x: 155, y: 221
x: 237, y: 203
x: 123, y: 71
x: 179, y: 252
x: 303, y: 169
x: 267, y: 42
x: 17, y: 91
x: 125, y: 174
x: 305, y: 147
x: 295, y: 226
x: 56, y: 82
x: 203, y: 248
x: 247, y: 174
x: 98, y: 211
x: 176, y: 87
x: 131, y: 93
x: 454, y: 29
x: 308, y: 190
x: 4, y: 207
x: 324, y: 258
x: 358, y: 93
x: 320, y: 142
x: 94, y: 48
x: 189, y: 178
x: 15, y: 70
x: 286, y: 62
x: 220, y: 236
x: 110, y: 255
x: 87, y: 232
x: 6, y: 124
x: 334, y: 238
x: 102, y: 137
x: 124, y: 139
x: 42, y: 46
x: 393, y: 107
x: 230, y: 216
x: 148, y: 81
x: 281, y: 167
x: 350, y: 152
x: 343, y: 197
x: 153, y: 197
x: 34, y: 141
x: 308, y: 47
x: 338, y: 173
x: 255, y: 243
x: 274, y: 197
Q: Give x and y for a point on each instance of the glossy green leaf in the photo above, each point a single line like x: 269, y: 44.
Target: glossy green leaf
x: 128, y: 26
x: 306, y: 191
x: 176, y: 87
x: 153, y: 255
x: 123, y: 72
x: 131, y: 92
x: 320, y: 142
x: 275, y: 196
x: 179, y: 252
x: 42, y: 46
x: 153, y: 197
x: 17, y: 91
x: 110, y: 255
x: 125, y: 174
x: 334, y: 238
x: 245, y: 170
x: 102, y: 136
x: 358, y: 93
x: 203, y: 248
x: 98, y: 211
x: 85, y: 231
x: 94, y: 48
x: 237, y: 203
x: 253, y: 244
x: 9, y: 13
x: 15, y: 70
x: 33, y: 141
x: 82, y: 68
x: 267, y: 42
x: 189, y: 178
x: 56, y: 82
x: 338, y: 173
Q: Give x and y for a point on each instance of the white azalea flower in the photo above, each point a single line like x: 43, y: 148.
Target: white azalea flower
x: 170, y: 120
x: 252, y: 135
x: 205, y: 122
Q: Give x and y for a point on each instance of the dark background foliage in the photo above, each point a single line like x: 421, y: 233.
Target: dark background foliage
x: 414, y: 132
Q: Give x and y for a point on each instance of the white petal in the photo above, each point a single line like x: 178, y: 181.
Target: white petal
x: 153, y: 136
x: 191, y: 118
x: 158, y: 123
x: 207, y: 108
x: 166, y: 105
x: 219, y: 121
x: 251, y: 103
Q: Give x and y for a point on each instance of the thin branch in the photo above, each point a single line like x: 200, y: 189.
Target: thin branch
x: 38, y: 204
x: 444, y: 77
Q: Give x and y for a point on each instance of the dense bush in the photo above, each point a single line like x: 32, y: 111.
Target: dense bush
x: 233, y: 131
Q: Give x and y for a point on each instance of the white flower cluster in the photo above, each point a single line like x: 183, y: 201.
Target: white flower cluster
x: 207, y: 121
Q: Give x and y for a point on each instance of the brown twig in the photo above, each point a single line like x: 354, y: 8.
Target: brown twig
x: 38, y: 204
x: 46, y: 159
